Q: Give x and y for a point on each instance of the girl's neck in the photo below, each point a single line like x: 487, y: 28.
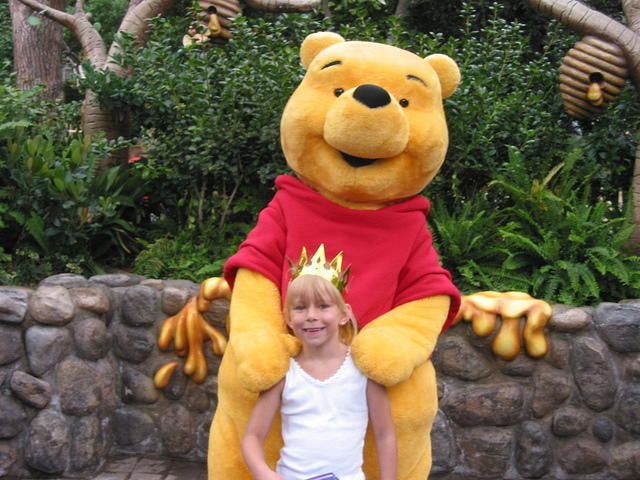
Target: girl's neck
x: 322, y: 363
x: 323, y: 352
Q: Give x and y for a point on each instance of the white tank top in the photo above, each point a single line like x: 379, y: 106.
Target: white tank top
x: 323, y: 423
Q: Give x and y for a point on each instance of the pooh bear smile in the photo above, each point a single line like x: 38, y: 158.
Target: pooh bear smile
x: 373, y: 113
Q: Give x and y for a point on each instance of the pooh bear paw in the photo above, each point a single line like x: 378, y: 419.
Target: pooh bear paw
x: 385, y: 356
x: 262, y: 358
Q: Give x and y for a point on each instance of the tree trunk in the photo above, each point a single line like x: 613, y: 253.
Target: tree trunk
x: 402, y: 8
x: 95, y: 118
x: 634, y: 240
x: 37, y: 49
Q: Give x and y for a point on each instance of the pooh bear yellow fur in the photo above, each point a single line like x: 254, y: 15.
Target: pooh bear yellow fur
x: 366, y: 130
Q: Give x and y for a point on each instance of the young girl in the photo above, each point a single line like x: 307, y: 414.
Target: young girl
x: 324, y: 401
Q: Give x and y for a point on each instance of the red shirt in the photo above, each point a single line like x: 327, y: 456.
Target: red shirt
x: 390, y: 250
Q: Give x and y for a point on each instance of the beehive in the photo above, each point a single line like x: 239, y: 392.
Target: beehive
x: 591, y: 61
x: 226, y: 11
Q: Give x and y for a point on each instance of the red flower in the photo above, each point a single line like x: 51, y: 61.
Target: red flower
x: 134, y: 159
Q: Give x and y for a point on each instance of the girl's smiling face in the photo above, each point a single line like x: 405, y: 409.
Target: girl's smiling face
x: 316, y: 322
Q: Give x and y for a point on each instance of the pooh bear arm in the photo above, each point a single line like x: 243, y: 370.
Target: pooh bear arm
x: 257, y: 335
x: 389, y: 348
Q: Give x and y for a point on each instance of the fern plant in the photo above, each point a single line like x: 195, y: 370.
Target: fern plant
x: 550, y: 237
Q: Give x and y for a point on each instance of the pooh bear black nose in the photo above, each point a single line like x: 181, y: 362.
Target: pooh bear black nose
x: 372, y: 96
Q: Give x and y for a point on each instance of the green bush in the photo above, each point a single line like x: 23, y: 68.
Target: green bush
x: 548, y: 239
x: 208, y: 120
x: 58, y: 212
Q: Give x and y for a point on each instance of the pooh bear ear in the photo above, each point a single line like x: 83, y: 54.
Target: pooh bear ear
x: 448, y: 72
x: 315, y: 43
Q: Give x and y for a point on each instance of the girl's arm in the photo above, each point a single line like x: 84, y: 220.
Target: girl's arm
x: 259, y: 424
x: 383, y: 430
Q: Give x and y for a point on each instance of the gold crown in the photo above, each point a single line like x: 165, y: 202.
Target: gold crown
x: 319, y: 266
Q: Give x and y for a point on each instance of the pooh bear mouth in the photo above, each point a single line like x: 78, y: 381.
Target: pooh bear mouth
x: 357, y: 162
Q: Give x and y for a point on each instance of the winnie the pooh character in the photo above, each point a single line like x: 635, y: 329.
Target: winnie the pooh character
x: 364, y: 132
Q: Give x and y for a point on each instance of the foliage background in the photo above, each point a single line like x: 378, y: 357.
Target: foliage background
x: 528, y: 198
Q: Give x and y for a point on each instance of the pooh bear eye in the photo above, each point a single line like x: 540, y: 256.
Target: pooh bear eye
x: 404, y: 103
x: 338, y: 91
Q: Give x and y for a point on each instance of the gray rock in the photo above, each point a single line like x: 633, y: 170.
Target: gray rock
x: 137, y: 387
x: 86, y: 446
x: 443, y: 445
x: 559, y: 354
x: 498, y: 404
x: 117, y: 279
x: 132, y: 343
x: 31, y: 390
x: 177, y: 385
x: 533, y: 450
x: 210, y: 386
x: 569, y: 421
x: 13, y: 417
x: 192, y: 287
x: 521, y: 366
x: 46, y: 346
x: 47, y: 447
x: 456, y: 358
x: 202, y: 439
x: 217, y: 314
x: 13, y: 304
x: 581, y: 457
x: 632, y: 368
x: 197, y: 399
x: 10, y: 344
x: 571, y: 320
x: 80, y: 393
x: 51, y: 305
x: 628, y: 409
x: 66, y: 280
x: 486, y: 452
x: 602, y: 429
x: 173, y: 299
x: 619, y: 326
x: 91, y: 299
x: 92, y: 339
x: 625, y: 461
x: 8, y: 457
x: 140, y: 306
x: 154, y: 283
x: 176, y: 429
x: 131, y: 426
x: 551, y: 388
x: 105, y: 379
x: 593, y: 373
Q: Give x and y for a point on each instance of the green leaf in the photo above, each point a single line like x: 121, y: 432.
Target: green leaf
x: 35, y: 226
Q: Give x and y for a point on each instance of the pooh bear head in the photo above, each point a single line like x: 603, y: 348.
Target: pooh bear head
x: 366, y: 126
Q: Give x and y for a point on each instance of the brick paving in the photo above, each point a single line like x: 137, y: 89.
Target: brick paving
x: 147, y: 468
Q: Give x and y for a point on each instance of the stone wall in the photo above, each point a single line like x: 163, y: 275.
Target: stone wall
x: 77, y: 357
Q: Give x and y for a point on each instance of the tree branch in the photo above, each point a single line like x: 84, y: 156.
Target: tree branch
x: 54, y: 14
x: 135, y: 22
x: 93, y: 47
x: 283, y: 6
x: 631, y: 10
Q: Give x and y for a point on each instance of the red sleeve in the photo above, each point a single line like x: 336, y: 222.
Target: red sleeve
x: 423, y: 276
x: 263, y: 250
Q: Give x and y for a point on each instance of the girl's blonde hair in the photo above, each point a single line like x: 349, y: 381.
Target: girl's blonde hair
x: 312, y: 288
